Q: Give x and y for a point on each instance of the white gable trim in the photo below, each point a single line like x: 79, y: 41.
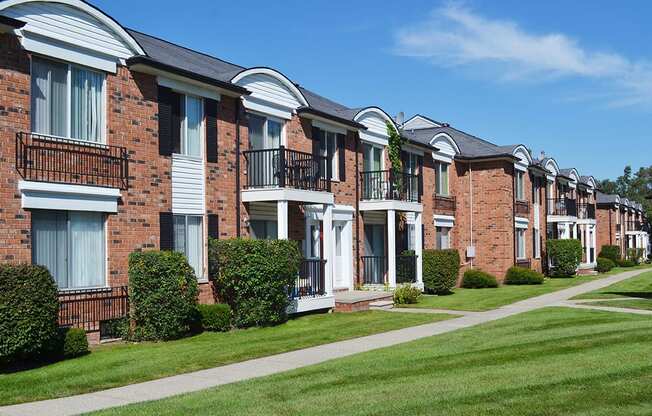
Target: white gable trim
x: 552, y: 167
x: 418, y: 122
x: 278, y: 100
x: 57, y: 196
x: 333, y: 128
x: 524, y: 158
x: 447, y: 148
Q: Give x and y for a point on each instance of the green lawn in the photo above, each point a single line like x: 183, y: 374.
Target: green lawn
x: 487, y: 299
x: 636, y: 287
x: 645, y: 304
x: 121, y: 364
x: 552, y: 361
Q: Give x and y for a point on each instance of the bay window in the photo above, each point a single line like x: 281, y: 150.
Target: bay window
x: 71, y: 245
x: 441, y: 180
x: 67, y: 101
x: 189, y: 240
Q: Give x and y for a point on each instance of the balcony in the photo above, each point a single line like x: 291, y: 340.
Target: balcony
x: 285, y: 168
x: 521, y: 208
x: 586, y: 211
x: 311, y: 281
x: 634, y: 226
x: 386, y: 185
x: 565, y: 207
x: 444, y: 203
x: 41, y: 158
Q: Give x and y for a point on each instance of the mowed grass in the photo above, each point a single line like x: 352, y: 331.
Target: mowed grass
x: 121, y: 364
x: 637, y: 287
x: 553, y: 361
x: 487, y: 299
x: 645, y: 304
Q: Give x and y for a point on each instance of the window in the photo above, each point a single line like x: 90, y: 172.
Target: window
x: 328, y: 149
x: 264, y: 132
x: 520, y: 244
x: 314, y: 250
x: 519, y: 178
x: 371, y: 158
x: 536, y: 243
x: 536, y: 190
x: 441, y: 181
x: 191, y: 126
x: 263, y: 229
x: 71, y: 245
x: 189, y: 240
x: 67, y: 101
x: 443, y: 240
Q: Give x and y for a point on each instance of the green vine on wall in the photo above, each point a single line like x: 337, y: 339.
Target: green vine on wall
x: 394, y: 149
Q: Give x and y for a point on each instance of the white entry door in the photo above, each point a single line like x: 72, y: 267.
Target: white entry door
x: 343, y: 250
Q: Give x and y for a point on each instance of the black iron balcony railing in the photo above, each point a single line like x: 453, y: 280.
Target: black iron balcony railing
x: 281, y: 167
x: 311, y: 281
x: 386, y: 185
x: 444, y: 203
x: 586, y: 211
x: 374, y: 269
x: 521, y: 207
x: 44, y: 158
x: 406, y: 268
x: 87, y: 308
x: 562, y: 206
x: 634, y: 226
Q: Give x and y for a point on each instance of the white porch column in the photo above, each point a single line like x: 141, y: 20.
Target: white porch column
x: 418, y: 247
x: 594, y: 242
x: 328, y: 247
x: 282, y: 220
x: 587, y: 241
x: 391, y: 247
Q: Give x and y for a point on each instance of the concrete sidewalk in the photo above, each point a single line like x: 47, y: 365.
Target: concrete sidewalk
x: 199, y: 380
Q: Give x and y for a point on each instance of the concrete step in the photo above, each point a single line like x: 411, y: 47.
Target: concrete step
x: 381, y: 305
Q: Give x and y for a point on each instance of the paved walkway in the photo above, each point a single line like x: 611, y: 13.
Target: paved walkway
x: 587, y: 304
x: 199, y: 380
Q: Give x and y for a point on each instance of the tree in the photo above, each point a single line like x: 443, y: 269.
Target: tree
x: 635, y: 187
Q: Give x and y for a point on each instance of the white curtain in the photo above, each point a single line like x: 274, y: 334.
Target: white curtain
x: 49, y: 97
x: 193, y: 130
x: 86, y: 249
x: 195, y: 250
x: 49, y: 244
x: 87, y: 110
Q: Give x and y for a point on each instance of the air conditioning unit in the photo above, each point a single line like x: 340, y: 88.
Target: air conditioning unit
x: 470, y: 252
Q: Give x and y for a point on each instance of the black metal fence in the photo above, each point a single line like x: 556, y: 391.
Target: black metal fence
x: 281, y: 167
x: 586, y: 211
x: 311, y: 281
x: 406, y: 269
x: 374, y: 269
x: 562, y: 206
x: 50, y: 159
x: 634, y: 226
x: 385, y: 185
x: 86, y: 308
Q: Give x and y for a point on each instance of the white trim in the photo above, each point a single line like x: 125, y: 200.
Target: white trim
x: 274, y: 74
x: 410, y: 148
x: 187, y: 88
x: 311, y: 304
x: 376, y: 110
x: 62, y: 51
x: 371, y: 138
x: 447, y: 221
x: 561, y: 218
x: 266, y: 108
x: 420, y: 118
x: 328, y: 127
x: 520, y: 222
x: 390, y: 205
x: 332, y: 124
x: 56, y: 196
x: 287, y: 194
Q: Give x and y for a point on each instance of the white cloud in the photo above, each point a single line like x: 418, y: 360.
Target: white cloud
x: 456, y: 36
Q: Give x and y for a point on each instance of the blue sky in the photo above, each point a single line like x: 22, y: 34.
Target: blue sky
x: 571, y: 78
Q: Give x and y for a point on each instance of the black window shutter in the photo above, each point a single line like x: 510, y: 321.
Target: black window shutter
x: 316, y: 140
x: 420, y: 172
x: 166, y: 230
x: 213, y: 226
x: 164, y: 121
x: 423, y: 236
x: 341, y: 146
x: 177, y: 103
x: 211, y: 130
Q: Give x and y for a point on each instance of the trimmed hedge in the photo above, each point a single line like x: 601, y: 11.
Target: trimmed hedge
x: 406, y: 294
x: 565, y: 256
x: 74, y: 341
x: 215, y: 317
x: 635, y: 255
x: 253, y: 277
x: 604, y: 265
x: 440, y: 270
x: 162, y: 293
x: 610, y: 252
x: 626, y: 263
x: 523, y: 276
x: 28, y: 312
x: 476, y: 279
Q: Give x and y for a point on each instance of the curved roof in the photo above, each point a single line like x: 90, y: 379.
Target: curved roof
x: 469, y: 146
x: 570, y: 173
x: 589, y: 181
x: 278, y: 76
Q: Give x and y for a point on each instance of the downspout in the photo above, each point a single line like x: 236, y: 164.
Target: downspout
x: 610, y: 233
x: 514, y: 213
x: 471, y: 210
x: 237, y: 168
x: 357, y: 209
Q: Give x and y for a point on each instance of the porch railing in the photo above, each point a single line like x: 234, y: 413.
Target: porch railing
x: 562, y: 206
x: 586, y: 211
x: 86, y: 308
x: 44, y: 158
x: 374, y: 269
x: 634, y: 226
x: 525, y: 263
x: 311, y: 281
x: 521, y: 207
x: 406, y: 269
x: 281, y: 167
x: 444, y: 203
x: 385, y: 185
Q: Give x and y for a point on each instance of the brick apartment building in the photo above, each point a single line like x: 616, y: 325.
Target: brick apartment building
x: 114, y: 141
x: 622, y: 223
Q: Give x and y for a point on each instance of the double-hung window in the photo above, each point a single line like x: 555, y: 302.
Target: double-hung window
x: 519, y: 186
x: 441, y: 180
x: 536, y: 243
x: 72, y: 246
x: 443, y: 240
x: 192, y: 117
x: 328, y: 149
x: 67, y: 101
x: 189, y: 240
x: 264, y: 140
x: 520, y: 243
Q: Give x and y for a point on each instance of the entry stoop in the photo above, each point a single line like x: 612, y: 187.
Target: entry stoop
x: 363, y: 300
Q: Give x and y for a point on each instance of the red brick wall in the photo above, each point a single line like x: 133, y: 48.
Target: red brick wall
x: 606, y: 226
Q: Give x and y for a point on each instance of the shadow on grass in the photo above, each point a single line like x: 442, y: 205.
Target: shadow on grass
x: 642, y: 295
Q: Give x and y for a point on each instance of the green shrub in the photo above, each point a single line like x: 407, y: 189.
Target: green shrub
x: 565, y: 257
x: 163, y: 295
x: 635, y: 255
x: 626, y: 263
x: 254, y: 277
x: 215, y: 317
x: 605, y: 265
x: 610, y: 252
x: 476, y: 279
x: 74, y: 342
x: 523, y: 276
x: 440, y: 270
x: 28, y: 312
x: 406, y: 294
